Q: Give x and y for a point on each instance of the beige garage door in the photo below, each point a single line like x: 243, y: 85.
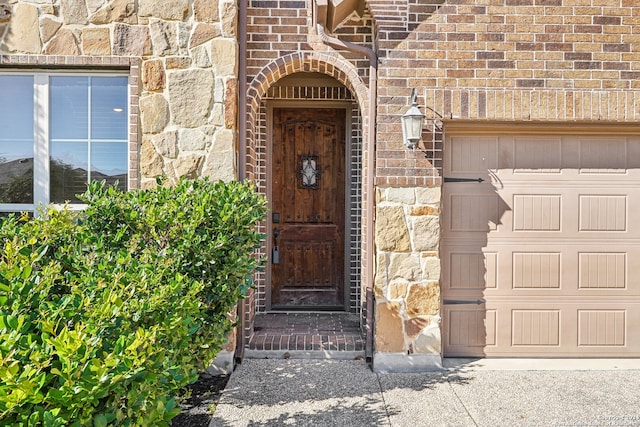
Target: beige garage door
x: 543, y: 257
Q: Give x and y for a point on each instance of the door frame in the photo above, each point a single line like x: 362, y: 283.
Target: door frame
x: 305, y: 105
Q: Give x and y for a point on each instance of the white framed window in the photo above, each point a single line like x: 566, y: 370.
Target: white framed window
x: 58, y: 132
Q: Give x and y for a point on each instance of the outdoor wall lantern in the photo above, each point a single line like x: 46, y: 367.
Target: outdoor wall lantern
x: 412, y: 123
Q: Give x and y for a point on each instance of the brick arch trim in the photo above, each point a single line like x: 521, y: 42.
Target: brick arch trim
x: 325, y: 63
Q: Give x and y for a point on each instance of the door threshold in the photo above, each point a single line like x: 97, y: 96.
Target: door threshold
x: 308, y: 309
x: 304, y: 311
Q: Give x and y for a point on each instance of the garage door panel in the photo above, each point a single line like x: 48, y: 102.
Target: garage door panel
x: 536, y: 212
x: 472, y: 270
x: 563, y: 329
x: 537, y: 155
x: 543, y: 157
x: 461, y: 217
x: 535, y: 328
x: 473, y: 155
x: 602, y: 328
x: 603, y: 155
x: 598, y: 212
x: 602, y: 270
x: 525, y: 212
x: 547, y: 247
x: 472, y: 330
x: 473, y: 208
x: 536, y: 270
x: 505, y: 269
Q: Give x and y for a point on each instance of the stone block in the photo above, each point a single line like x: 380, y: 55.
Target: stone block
x: 177, y: 62
x: 164, y: 37
x: 378, y: 289
x: 74, y: 12
x: 428, y: 195
x: 22, y: 34
x: 430, y: 266
x: 220, y: 166
x: 422, y: 210
x: 63, y: 43
x: 221, y: 161
x: 165, y: 144
x: 131, y: 40
x: 224, y: 57
x: 405, y: 265
x: 115, y: 11
x: 153, y: 75
x: 223, y: 141
x: 154, y: 113
x: 217, y: 114
x: 219, y: 90
x: 429, y: 340
x: 192, y: 140
x: 94, y: 5
x: 190, y: 97
x: 200, y: 57
x: 48, y: 27
x: 426, y: 233
x: 96, y: 41
x: 206, y: 10
x: 175, y: 10
x: 380, y: 280
x: 231, y: 104
x: 228, y: 18
x: 150, y: 161
x: 397, y: 289
x: 188, y: 166
x: 423, y: 299
x: 414, y: 326
x: 389, y: 336
x: 405, y: 196
x: 49, y: 9
x: 184, y: 33
x: 202, y: 33
x: 391, y: 232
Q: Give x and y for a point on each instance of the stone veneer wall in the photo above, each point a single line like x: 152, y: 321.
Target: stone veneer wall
x: 188, y: 55
x: 407, y: 276
x: 182, y: 60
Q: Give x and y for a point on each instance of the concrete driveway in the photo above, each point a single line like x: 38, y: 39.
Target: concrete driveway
x: 277, y: 392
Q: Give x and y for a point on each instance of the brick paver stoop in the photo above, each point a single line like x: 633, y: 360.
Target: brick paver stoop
x: 306, y: 332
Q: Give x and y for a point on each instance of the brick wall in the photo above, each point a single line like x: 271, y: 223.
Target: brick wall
x: 503, y: 60
x: 277, y: 28
x: 280, y: 42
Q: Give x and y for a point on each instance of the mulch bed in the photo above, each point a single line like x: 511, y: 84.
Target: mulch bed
x: 205, y: 395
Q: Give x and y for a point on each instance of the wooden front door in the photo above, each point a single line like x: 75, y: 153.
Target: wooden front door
x: 308, y: 205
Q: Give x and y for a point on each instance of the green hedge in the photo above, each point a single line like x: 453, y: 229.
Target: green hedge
x: 106, y: 314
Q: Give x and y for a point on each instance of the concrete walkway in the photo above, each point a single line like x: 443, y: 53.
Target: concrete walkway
x: 279, y: 392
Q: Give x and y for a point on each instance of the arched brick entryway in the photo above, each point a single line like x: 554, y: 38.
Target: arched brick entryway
x: 349, y: 88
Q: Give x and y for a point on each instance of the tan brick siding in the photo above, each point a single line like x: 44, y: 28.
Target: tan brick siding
x: 504, y: 60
